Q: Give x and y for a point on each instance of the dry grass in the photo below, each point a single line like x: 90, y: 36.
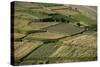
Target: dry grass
x: 25, y: 15
x: 67, y: 12
x: 26, y: 48
x: 44, y: 36
x: 18, y: 35
x: 20, y: 22
x: 84, y: 40
x: 18, y: 44
x: 80, y: 48
x: 39, y: 25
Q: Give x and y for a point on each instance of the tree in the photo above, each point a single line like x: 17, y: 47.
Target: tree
x: 76, y: 9
x: 78, y: 24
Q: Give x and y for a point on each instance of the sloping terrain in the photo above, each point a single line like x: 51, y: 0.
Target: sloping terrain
x: 54, y: 33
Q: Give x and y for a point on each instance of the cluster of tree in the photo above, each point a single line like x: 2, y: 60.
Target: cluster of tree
x: 59, y: 18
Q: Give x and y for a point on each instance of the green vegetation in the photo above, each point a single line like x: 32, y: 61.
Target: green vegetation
x: 59, y: 18
x: 44, y: 51
x: 85, y: 19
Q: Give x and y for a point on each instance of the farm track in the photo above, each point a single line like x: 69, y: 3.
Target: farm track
x: 72, y: 35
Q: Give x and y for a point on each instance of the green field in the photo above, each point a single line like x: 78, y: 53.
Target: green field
x: 43, y: 52
x: 86, y: 19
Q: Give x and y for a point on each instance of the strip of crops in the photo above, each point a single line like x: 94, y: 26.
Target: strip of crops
x: 43, y: 52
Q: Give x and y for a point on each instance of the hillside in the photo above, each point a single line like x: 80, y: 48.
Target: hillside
x: 46, y: 33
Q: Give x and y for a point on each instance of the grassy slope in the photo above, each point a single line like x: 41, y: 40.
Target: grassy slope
x: 85, y: 19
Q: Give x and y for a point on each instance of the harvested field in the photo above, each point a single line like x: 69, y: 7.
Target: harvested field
x: 78, y: 48
x: 44, y: 36
x: 86, y: 40
x: 18, y: 36
x: 25, y: 49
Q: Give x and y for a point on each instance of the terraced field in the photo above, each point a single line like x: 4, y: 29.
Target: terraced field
x: 46, y: 33
x: 24, y: 26
x: 44, y: 36
x: 65, y: 28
